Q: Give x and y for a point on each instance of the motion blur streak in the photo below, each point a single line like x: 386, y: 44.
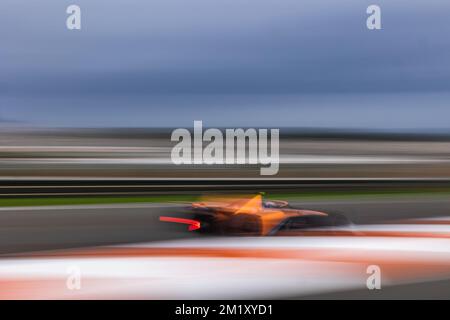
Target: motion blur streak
x: 193, y: 225
x: 104, y: 153
x: 244, y: 267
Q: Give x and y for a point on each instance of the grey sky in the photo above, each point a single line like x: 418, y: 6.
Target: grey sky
x: 227, y: 62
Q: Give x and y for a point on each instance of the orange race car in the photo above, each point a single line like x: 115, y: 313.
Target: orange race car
x: 252, y: 216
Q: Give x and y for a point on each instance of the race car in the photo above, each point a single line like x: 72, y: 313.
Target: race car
x: 255, y: 217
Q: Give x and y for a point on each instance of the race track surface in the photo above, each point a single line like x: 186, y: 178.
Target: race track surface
x: 81, y: 234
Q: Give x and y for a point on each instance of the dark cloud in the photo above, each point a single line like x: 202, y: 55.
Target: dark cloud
x: 137, y: 51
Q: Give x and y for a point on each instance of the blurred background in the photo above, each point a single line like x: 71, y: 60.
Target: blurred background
x: 102, y: 101
x: 86, y: 115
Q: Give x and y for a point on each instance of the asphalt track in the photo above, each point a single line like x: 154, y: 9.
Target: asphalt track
x: 59, y: 227
x: 432, y: 290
